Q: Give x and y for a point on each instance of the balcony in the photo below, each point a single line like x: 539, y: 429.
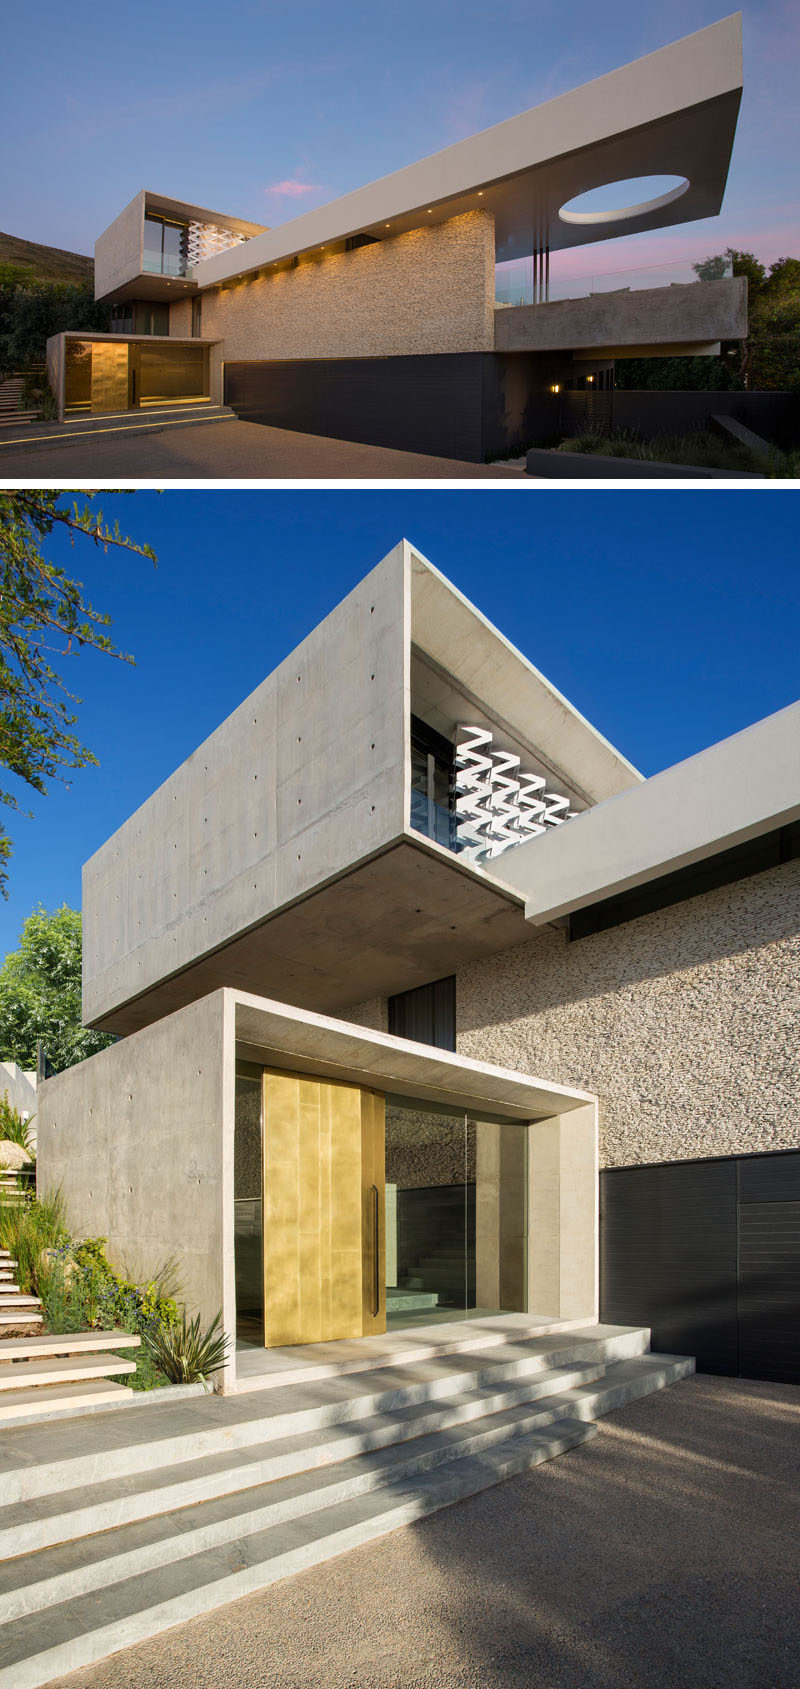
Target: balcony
x: 687, y: 307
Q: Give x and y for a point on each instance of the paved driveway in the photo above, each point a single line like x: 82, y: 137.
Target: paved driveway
x: 219, y: 451
x: 662, y: 1555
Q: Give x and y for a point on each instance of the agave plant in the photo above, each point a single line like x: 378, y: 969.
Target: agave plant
x: 184, y: 1353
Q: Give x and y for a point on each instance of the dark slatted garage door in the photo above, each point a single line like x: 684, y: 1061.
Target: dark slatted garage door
x: 769, y: 1267
x: 707, y: 1253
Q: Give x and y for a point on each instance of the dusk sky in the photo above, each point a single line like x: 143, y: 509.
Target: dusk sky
x: 265, y: 108
x: 669, y: 618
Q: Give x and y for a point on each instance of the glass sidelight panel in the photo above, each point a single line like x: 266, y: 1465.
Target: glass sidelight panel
x: 247, y: 1208
x: 456, y: 1215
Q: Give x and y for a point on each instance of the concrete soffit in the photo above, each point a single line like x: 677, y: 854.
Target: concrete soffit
x: 304, y: 1042
x: 458, y: 641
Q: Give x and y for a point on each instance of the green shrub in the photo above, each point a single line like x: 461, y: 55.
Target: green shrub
x: 186, y: 1355
x: 30, y: 1229
x: 12, y: 1126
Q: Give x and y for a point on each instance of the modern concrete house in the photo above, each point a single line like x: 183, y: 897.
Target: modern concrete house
x: 431, y: 308
x: 431, y: 1008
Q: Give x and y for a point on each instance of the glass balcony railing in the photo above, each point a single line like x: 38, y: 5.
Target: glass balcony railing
x: 514, y: 282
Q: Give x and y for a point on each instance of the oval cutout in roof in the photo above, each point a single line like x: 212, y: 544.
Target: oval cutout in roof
x: 614, y: 202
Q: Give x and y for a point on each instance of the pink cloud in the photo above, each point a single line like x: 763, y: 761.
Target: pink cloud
x: 292, y: 189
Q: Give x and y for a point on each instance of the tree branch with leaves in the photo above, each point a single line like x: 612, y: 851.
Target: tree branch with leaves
x: 45, y: 619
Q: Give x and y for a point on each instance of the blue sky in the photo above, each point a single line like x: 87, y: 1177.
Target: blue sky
x: 267, y: 107
x: 670, y: 619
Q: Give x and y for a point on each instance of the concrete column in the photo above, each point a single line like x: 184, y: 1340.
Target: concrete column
x: 562, y: 1216
x: 500, y: 1241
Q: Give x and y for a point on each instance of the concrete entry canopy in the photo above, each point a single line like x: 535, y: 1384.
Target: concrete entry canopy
x: 141, y: 1140
x: 281, y: 856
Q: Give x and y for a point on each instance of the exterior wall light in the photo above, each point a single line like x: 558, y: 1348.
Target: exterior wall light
x: 590, y: 379
x: 556, y: 387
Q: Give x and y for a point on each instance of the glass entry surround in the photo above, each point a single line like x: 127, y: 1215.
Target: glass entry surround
x: 377, y: 1214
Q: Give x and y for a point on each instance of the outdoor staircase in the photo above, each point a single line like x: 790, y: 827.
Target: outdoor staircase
x: 152, y: 420
x: 115, y: 1527
x: 61, y: 1374
x: 11, y: 402
x: 15, y: 1308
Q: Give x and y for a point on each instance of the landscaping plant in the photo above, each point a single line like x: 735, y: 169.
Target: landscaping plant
x: 13, y: 1129
x: 184, y: 1353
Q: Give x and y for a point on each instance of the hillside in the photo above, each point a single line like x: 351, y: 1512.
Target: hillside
x: 48, y: 263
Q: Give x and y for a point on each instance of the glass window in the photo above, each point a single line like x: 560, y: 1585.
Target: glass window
x: 456, y: 1215
x: 247, y: 1210
x: 432, y: 801
x: 164, y: 247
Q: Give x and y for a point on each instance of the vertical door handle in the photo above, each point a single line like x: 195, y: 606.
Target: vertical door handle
x: 376, y: 1301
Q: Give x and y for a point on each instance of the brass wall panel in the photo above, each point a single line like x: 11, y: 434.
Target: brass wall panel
x: 323, y: 1149
x: 109, y: 376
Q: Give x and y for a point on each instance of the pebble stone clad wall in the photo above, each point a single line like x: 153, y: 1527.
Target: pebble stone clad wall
x: 431, y: 290
x: 686, y: 1022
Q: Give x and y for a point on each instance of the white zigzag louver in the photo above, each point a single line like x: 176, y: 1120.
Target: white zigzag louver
x: 497, y: 804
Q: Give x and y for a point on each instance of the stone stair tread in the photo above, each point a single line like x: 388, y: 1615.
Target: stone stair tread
x: 57, y: 1396
x: 89, y: 1626
x: 26, y: 1317
x: 158, y: 1539
x: 7, y: 1301
x: 56, y: 1369
x: 159, y: 1434
x: 25, y: 1525
x: 74, y: 1342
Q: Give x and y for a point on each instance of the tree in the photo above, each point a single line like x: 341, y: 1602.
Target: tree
x: 44, y: 613
x: 31, y: 310
x: 40, y: 993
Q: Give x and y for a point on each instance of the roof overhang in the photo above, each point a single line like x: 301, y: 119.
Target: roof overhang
x: 303, y: 1042
x: 738, y: 790
x: 672, y: 112
x: 473, y: 661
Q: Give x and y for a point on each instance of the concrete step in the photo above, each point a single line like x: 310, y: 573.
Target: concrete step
x: 23, y: 1374
x: 32, y: 1582
x: 408, y: 1301
x: 25, y: 1316
x: 122, y: 422
x: 74, y: 1342
x: 66, y: 1515
x: 67, y: 1456
x: 9, y: 1300
x: 36, y: 1582
x: 20, y: 1404
x: 80, y: 1630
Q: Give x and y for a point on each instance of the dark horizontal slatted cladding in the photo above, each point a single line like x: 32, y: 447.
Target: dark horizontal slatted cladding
x: 707, y: 1253
x: 668, y: 1257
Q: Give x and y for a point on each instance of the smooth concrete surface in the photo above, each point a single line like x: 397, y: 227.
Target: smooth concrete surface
x: 639, y: 318
x: 20, y: 1089
x: 119, y: 251
x: 303, y: 1042
x: 300, y: 791
x: 737, y: 790
x: 663, y: 1554
x: 386, y: 925
x: 239, y: 451
x: 440, y: 1436
x: 303, y: 779
x: 674, y: 110
x: 515, y: 697
x: 563, y: 1267
x: 134, y: 1136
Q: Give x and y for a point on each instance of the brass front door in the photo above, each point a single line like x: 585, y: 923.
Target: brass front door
x: 324, y: 1210
x: 109, y: 376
